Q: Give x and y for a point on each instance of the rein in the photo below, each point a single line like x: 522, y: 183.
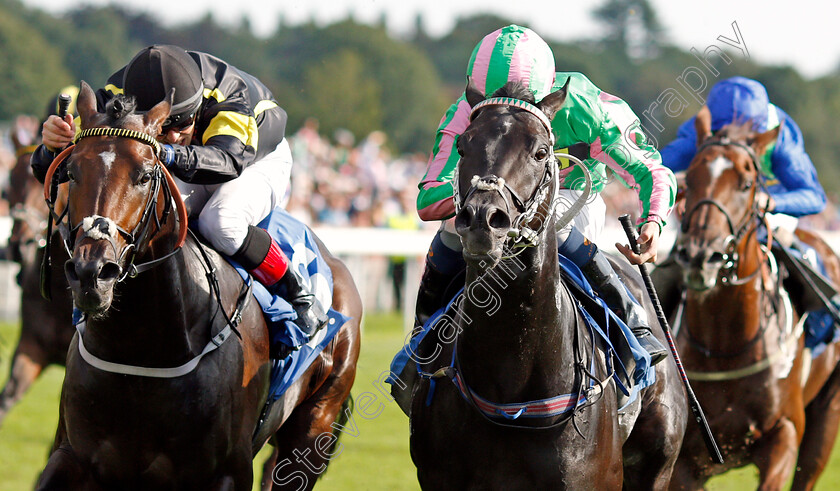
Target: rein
x: 103, y: 228
x: 98, y: 227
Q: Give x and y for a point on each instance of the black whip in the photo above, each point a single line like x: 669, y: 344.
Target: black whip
x: 62, y: 105
x: 708, y: 438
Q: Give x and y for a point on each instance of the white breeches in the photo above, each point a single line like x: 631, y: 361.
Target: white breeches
x: 226, y: 210
x: 590, y: 221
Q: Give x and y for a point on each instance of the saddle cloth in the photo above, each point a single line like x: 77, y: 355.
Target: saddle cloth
x: 299, y: 245
x: 643, y: 374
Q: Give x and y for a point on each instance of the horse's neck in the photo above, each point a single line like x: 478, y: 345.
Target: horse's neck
x: 517, y: 327
x: 160, y: 317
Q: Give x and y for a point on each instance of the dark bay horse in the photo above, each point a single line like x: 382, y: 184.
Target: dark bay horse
x: 152, y: 413
x: 740, y: 337
x: 45, y: 332
x: 517, y: 342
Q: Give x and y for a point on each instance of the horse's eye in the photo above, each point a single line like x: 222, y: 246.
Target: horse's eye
x: 541, y: 154
x: 146, y: 177
x: 71, y: 176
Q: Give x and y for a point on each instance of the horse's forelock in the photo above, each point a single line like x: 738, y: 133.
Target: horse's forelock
x: 738, y: 131
x: 119, y: 109
x: 515, y: 90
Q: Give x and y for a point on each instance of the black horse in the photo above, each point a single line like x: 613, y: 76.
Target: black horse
x: 166, y: 386
x: 518, y: 336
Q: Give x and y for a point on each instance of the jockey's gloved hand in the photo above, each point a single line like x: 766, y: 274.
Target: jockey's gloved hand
x: 167, y: 155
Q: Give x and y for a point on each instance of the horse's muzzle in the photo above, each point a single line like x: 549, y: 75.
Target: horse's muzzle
x: 701, y: 266
x: 91, y: 275
x: 483, y: 229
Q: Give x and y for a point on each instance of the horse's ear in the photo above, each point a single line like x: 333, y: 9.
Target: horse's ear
x: 761, y: 141
x: 474, y: 96
x: 86, y: 105
x: 703, y: 124
x: 554, y: 101
x: 155, y: 116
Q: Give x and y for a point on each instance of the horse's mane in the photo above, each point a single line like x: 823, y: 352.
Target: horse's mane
x: 118, y: 109
x: 515, y: 90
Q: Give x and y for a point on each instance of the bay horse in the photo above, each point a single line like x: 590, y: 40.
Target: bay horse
x: 153, y: 412
x: 45, y: 332
x: 518, y: 344
x: 740, y: 337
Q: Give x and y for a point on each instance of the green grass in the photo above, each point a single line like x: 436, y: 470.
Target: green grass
x: 376, y: 459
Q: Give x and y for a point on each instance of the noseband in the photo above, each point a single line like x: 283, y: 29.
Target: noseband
x: 729, y: 271
x: 103, y: 228
x: 521, y: 235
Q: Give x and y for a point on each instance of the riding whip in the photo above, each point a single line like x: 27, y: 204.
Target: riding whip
x: 63, y: 104
x: 708, y: 438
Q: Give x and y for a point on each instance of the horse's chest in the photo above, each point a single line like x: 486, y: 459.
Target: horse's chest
x: 139, y: 426
x: 454, y: 447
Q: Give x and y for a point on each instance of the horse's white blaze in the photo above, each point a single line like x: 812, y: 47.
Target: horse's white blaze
x: 718, y: 165
x: 108, y: 159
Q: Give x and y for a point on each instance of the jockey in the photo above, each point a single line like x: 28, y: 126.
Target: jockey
x: 591, y: 125
x: 224, y: 144
x: 793, y: 189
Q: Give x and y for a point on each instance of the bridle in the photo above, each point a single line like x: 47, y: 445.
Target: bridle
x: 737, y: 233
x: 521, y: 235
x: 98, y: 227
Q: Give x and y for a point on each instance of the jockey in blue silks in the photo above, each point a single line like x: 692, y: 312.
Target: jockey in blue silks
x: 790, y: 179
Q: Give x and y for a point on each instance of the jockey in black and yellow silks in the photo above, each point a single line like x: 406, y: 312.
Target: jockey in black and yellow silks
x: 224, y: 142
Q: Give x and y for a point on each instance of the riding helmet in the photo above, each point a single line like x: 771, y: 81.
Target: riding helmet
x: 512, y: 54
x: 155, y: 70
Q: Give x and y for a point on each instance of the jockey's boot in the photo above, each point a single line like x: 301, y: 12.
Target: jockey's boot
x: 433, y: 285
x: 600, y: 272
x: 275, y: 273
x: 443, y: 264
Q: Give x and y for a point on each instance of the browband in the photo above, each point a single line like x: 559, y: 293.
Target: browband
x: 510, y: 101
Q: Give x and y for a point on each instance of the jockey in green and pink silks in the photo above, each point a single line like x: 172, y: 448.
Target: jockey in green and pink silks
x: 589, y: 116
x: 592, y: 125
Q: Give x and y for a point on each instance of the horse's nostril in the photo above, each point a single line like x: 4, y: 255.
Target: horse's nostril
x: 465, y: 217
x: 498, y: 219
x: 716, y: 258
x: 70, y: 271
x: 682, y: 255
x: 110, y: 271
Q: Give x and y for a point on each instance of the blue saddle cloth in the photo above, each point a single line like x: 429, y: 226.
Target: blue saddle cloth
x: 299, y: 245
x: 820, y: 327
x: 643, y: 376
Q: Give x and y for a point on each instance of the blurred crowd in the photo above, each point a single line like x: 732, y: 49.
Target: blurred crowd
x: 338, y: 181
